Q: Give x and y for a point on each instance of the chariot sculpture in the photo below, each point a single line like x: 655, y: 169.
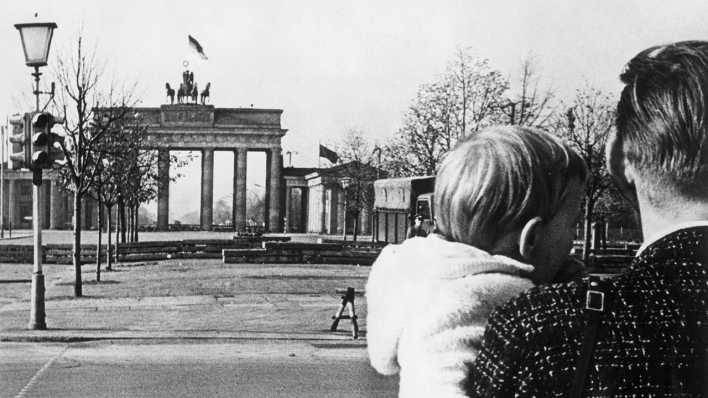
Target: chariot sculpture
x: 187, y: 92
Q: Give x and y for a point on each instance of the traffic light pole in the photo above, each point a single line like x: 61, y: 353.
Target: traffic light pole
x: 36, y: 91
x: 37, y: 314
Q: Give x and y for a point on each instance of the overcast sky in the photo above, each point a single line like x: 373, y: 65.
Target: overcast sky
x: 332, y: 65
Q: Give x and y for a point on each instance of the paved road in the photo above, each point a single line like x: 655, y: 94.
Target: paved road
x: 189, y: 369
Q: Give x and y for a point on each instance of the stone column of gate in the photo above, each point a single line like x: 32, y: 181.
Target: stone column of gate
x: 163, y: 189
x: 207, y: 188
x: 56, y: 206
x: 365, y: 220
x: 239, y: 196
x: 275, y: 166
x: 287, y: 217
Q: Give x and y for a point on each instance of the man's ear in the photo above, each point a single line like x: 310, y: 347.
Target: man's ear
x: 529, y: 237
x: 622, y: 175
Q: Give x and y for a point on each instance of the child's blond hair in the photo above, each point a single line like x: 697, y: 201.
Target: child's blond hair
x: 494, y: 181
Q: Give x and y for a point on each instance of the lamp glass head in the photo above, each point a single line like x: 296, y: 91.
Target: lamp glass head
x: 36, y: 41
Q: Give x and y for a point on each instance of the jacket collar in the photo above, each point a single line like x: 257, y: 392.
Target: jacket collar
x: 676, y: 227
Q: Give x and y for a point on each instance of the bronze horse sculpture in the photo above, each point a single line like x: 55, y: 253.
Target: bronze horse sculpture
x: 181, y: 93
x: 187, y: 90
x: 205, y: 93
x: 195, y: 93
x: 170, y: 93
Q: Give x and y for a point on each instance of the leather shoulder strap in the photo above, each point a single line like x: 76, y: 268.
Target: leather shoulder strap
x: 596, y: 304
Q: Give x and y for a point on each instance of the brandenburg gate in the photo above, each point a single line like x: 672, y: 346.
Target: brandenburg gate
x: 199, y: 127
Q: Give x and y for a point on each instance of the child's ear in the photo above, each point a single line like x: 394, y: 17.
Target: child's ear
x: 529, y: 237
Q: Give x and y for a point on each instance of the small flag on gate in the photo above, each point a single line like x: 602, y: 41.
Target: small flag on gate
x: 328, y: 154
x: 194, y: 44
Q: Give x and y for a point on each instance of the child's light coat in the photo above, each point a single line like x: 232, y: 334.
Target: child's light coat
x: 428, y: 301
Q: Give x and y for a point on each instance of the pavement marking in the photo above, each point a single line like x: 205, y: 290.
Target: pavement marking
x: 33, y: 380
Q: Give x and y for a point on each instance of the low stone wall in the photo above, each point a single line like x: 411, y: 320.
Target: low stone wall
x: 305, y: 253
x: 62, y: 253
x: 51, y: 253
x: 612, y: 259
x: 609, y: 263
x: 16, y: 254
x: 137, y: 251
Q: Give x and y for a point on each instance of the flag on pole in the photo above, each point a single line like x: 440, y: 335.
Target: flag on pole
x: 328, y: 154
x: 194, y: 44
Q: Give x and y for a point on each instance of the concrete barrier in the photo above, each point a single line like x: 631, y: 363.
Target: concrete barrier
x: 294, y: 252
x: 135, y: 251
x: 609, y: 263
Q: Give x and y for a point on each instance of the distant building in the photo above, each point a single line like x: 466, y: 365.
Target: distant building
x: 56, y: 207
x: 315, y: 200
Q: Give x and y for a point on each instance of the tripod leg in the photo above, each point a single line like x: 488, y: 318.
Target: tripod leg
x: 337, y: 316
x: 355, y: 324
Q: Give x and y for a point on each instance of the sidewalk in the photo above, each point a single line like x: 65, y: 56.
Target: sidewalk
x: 291, y: 302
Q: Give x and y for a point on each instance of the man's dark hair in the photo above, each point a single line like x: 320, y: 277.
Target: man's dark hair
x: 662, y: 118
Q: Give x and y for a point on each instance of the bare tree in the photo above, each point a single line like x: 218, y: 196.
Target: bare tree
x: 464, y: 100
x: 356, y: 154
x: 80, y: 95
x: 588, y: 121
x: 118, y: 156
x: 430, y: 125
x: 532, y: 104
x: 476, y: 89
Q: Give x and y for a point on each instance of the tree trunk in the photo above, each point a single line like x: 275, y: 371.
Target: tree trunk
x: 98, y: 246
x: 129, y: 223
x: 109, y: 210
x: 133, y: 225
x: 586, y: 231
x: 76, y: 249
x: 356, y: 226
x: 121, y: 216
x: 137, y: 222
x: 117, y: 247
x: 118, y: 226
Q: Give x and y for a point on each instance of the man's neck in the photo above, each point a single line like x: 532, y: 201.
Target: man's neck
x: 656, y: 221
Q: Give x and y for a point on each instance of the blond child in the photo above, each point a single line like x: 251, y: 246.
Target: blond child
x: 506, y: 201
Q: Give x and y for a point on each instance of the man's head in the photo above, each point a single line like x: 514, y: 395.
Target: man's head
x: 659, y: 149
x: 512, y: 191
x: 418, y: 220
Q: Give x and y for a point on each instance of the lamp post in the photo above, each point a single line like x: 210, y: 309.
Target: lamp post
x: 345, y: 182
x: 2, y: 182
x: 36, y: 39
x: 375, y: 217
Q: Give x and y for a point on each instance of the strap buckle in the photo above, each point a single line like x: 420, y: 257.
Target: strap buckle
x: 595, y: 300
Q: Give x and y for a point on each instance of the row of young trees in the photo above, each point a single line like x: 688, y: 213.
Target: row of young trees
x: 471, y: 95
x: 102, y: 148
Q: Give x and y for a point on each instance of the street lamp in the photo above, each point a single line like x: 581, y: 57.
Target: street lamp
x: 345, y: 182
x: 36, y: 39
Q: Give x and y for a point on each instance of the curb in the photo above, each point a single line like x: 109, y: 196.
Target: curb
x: 43, y: 337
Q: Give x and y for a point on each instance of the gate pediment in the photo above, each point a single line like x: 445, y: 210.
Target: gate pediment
x: 187, y: 116
x: 193, y: 126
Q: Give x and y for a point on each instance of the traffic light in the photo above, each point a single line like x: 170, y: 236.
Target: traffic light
x: 20, y: 152
x: 46, y: 145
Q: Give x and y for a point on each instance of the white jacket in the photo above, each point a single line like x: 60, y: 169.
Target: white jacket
x: 428, y: 301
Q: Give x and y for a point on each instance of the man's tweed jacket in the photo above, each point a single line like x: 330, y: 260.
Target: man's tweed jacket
x: 652, y: 343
